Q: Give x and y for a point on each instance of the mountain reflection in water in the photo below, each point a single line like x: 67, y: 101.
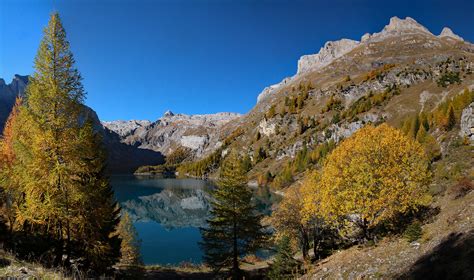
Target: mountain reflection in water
x: 168, y: 213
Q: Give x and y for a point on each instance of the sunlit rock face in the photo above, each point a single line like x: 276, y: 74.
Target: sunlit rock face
x: 327, y: 54
x: 467, y: 122
x: 200, y: 133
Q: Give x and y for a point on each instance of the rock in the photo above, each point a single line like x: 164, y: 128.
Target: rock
x: 448, y: 33
x: 365, y: 37
x: 23, y: 270
x: 125, y: 128
x: 343, y: 131
x: 268, y: 91
x: 193, y: 142
x: 326, y: 55
x: 168, y: 114
x: 267, y: 128
x: 467, y: 122
x: 415, y: 244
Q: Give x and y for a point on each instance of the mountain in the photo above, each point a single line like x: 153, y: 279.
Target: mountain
x: 404, y: 62
x: 8, y: 93
x: 200, y: 133
x: 122, y: 158
x: 387, y: 76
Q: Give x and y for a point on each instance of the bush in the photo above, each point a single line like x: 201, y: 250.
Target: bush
x: 462, y: 187
x: 449, y: 78
x: 413, y: 231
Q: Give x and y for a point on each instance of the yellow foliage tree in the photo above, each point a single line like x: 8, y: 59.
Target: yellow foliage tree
x: 372, y: 176
x: 288, y: 220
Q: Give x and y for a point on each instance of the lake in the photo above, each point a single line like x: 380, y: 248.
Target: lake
x: 167, y: 214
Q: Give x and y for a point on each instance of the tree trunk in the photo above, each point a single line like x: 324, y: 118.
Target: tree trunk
x: 235, y: 259
x: 304, y: 243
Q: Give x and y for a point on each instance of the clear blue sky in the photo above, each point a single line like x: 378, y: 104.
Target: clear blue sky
x: 140, y: 58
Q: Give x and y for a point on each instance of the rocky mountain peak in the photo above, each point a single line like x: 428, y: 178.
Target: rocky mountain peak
x: 168, y: 114
x: 447, y: 32
x: 408, y: 24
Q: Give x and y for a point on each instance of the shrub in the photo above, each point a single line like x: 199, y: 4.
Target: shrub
x: 413, y: 231
x: 449, y: 78
x: 462, y: 187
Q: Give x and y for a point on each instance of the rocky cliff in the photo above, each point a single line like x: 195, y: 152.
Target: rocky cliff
x: 200, y: 133
x: 8, y: 93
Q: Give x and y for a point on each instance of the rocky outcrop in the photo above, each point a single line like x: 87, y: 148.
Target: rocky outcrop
x: 8, y: 93
x: 467, y: 122
x: 327, y: 54
x: 448, y: 33
x: 268, y: 91
x: 125, y: 128
x: 398, y: 27
x: 336, y: 50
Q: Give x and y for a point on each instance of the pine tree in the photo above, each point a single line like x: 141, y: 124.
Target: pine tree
x: 284, y: 265
x: 234, y: 228
x: 130, y: 261
x: 59, y: 165
x: 451, y: 118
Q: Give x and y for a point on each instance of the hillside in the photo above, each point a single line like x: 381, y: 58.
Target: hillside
x: 387, y: 76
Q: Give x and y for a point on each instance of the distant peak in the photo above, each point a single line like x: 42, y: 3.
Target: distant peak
x: 447, y: 32
x: 398, y: 24
x: 168, y: 114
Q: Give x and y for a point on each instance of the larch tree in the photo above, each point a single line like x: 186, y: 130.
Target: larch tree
x: 10, y: 196
x: 59, y: 161
x: 372, y: 177
x: 234, y: 228
x: 130, y: 260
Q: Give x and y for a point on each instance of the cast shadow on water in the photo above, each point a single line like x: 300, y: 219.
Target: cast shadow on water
x: 168, y: 213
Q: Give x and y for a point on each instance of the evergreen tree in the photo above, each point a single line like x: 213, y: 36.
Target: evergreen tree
x: 234, y: 228
x: 59, y: 160
x: 284, y: 265
x: 451, y: 118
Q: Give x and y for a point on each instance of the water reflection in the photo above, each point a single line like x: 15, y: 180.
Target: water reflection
x: 168, y: 212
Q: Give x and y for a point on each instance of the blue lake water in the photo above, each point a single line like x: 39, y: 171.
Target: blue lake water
x: 167, y: 214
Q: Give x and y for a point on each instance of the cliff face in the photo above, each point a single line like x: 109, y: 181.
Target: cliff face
x: 200, y: 133
x: 8, y: 93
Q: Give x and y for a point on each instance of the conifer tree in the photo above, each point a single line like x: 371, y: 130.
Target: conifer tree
x: 59, y: 161
x: 130, y: 260
x: 451, y: 118
x: 9, y: 194
x: 284, y: 265
x: 234, y: 228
